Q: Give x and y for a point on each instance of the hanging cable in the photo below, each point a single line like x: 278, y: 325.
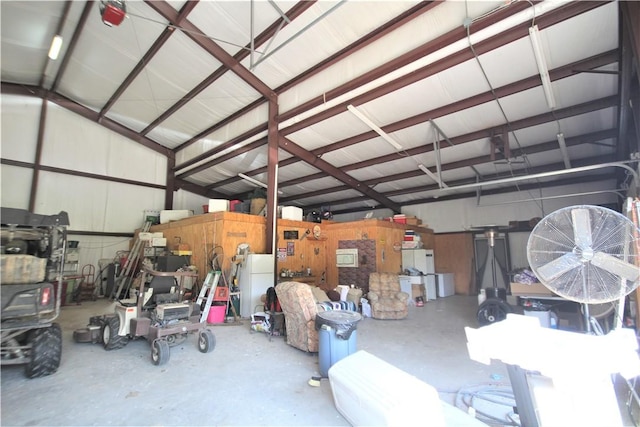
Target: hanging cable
x: 496, y: 98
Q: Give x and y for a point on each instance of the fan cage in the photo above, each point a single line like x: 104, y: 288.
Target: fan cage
x: 611, y: 233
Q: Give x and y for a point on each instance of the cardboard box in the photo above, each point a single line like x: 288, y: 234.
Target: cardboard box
x: 174, y: 215
x: 159, y: 241
x: 523, y: 289
x: 218, y: 205
x: 146, y: 237
x: 417, y: 291
x: 292, y: 212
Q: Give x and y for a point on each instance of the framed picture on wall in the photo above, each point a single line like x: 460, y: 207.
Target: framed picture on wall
x: 291, y: 248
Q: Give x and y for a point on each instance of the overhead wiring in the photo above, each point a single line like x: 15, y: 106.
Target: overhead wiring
x: 527, y: 164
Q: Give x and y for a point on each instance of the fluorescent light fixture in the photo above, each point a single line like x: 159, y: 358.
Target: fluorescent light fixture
x: 534, y: 35
x: 433, y: 176
x: 375, y: 128
x: 56, y: 45
x: 254, y: 181
x: 563, y: 150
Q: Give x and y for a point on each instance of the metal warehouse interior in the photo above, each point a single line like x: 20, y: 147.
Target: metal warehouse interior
x: 376, y: 122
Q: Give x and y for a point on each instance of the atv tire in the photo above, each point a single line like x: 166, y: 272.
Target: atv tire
x: 110, y: 338
x: 46, y: 351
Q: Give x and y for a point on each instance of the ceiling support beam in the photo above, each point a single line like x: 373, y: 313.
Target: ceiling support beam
x: 237, y: 140
x: 515, y: 125
x: 403, y: 60
x: 297, y: 10
x: 243, y: 53
x: 63, y: 19
x: 484, y: 133
x: 487, y: 45
x: 148, y: 56
x: 539, y: 148
x: 329, y: 169
x: 522, y: 187
x: 285, y: 42
x: 428, y: 116
x: 32, y: 91
x: 378, y: 33
x: 194, y: 33
x: 72, y: 45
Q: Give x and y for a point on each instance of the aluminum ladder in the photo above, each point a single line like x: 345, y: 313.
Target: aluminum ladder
x: 211, y: 284
x: 126, y: 276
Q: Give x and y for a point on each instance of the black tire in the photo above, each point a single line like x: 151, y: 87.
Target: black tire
x: 160, y: 352
x: 206, y: 341
x: 46, y: 351
x: 493, y: 310
x: 110, y: 338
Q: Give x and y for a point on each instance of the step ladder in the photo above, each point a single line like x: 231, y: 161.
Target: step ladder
x: 126, y: 275
x: 210, y: 284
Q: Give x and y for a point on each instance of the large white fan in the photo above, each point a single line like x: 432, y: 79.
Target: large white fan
x: 587, y: 254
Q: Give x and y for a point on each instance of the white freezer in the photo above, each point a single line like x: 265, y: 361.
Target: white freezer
x: 446, y: 285
x: 256, y: 276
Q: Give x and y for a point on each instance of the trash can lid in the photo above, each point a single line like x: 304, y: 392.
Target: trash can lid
x: 338, y: 317
x: 343, y: 321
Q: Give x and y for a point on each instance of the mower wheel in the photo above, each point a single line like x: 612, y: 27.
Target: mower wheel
x: 206, y: 341
x: 493, y: 310
x: 160, y: 352
x: 110, y: 338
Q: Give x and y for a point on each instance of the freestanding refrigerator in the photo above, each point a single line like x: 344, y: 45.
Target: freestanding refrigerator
x: 423, y: 261
x: 256, y: 276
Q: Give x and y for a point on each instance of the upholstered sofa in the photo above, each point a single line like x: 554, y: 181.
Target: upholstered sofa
x: 300, y: 304
x: 385, y: 297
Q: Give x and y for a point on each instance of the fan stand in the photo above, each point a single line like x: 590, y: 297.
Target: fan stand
x: 494, y: 308
x: 491, y: 236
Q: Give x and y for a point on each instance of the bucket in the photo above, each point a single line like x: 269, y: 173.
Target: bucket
x: 216, y: 314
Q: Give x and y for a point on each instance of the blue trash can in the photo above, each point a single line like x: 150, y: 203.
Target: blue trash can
x: 337, y: 337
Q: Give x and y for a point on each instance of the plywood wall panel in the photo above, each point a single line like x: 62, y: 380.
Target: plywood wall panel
x: 453, y: 253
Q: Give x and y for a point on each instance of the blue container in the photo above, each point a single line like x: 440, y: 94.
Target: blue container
x: 337, y: 337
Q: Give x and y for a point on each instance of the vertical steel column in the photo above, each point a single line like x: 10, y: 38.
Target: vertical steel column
x: 170, y: 183
x: 38, y: 157
x: 272, y: 175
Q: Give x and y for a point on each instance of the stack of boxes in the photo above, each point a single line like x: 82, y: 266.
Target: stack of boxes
x: 154, y: 243
x: 411, y: 240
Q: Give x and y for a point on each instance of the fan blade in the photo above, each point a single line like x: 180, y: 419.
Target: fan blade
x: 616, y: 266
x: 581, y: 228
x: 558, y: 267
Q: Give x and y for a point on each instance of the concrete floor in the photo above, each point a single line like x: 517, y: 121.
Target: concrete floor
x: 247, y: 380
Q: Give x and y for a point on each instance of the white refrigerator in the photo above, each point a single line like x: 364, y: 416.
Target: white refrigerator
x: 256, y: 276
x: 423, y: 261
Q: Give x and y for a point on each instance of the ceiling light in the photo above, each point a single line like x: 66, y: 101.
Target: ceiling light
x: 433, y: 176
x: 563, y: 150
x: 374, y: 127
x: 534, y: 35
x: 255, y: 181
x: 56, y: 45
